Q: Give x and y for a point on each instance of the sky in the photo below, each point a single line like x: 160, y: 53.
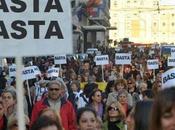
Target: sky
x: 167, y: 2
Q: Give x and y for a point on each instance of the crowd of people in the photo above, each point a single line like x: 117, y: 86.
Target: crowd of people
x: 133, y: 98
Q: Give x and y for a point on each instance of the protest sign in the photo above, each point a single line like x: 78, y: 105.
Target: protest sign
x: 102, y: 60
x: 60, y: 59
x: 168, y: 78
x: 171, y: 61
x: 172, y: 52
x: 53, y: 72
x: 12, y: 70
x: 30, y: 72
x: 122, y: 58
x: 153, y: 64
x: 35, y: 27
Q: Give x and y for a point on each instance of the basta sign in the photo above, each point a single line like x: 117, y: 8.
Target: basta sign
x: 35, y: 27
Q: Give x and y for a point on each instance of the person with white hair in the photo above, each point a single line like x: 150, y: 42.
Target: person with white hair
x: 57, y: 101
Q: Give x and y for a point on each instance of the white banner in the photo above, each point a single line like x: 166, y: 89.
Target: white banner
x: 33, y: 28
x: 12, y: 70
x: 122, y: 58
x: 53, y: 72
x: 152, y: 64
x: 30, y: 72
x: 171, y: 61
x: 102, y: 60
x: 168, y: 78
x: 173, y: 52
x: 60, y: 59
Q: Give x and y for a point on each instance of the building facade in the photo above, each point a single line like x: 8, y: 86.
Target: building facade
x: 142, y: 21
x: 90, y: 20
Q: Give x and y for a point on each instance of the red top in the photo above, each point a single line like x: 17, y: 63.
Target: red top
x: 1, y: 123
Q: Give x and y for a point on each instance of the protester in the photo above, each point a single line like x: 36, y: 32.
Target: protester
x: 114, y: 117
x: 163, y: 111
x: 46, y: 123
x: 133, y: 90
x: 75, y: 95
x: 9, y: 102
x: 51, y: 113
x: 118, y: 85
x: 59, y: 103
x: 95, y: 102
x: 123, y: 100
x: 86, y: 119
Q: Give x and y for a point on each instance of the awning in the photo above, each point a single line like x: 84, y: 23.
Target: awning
x: 94, y: 28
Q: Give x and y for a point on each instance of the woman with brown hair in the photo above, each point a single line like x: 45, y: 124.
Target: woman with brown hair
x: 95, y: 102
x: 118, y: 85
x: 163, y: 111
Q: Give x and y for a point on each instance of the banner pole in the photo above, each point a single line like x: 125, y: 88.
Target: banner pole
x: 122, y: 72
x: 60, y: 71
x: 154, y: 74
x: 102, y: 73
x: 20, y: 94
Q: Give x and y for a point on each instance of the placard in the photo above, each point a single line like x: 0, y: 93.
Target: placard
x: 152, y: 64
x: 122, y: 58
x: 53, y: 72
x: 35, y: 27
x: 60, y: 59
x: 168, y: 78
x: 102, y: 60
x: 12, y: 70
x: 171, y: 61
x: 30, y: 72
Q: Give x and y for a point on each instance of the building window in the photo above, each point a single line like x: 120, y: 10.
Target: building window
x: 163, y: 24
x: 73, y: 3
x: 154, y: 23
x: 172, y: 24
x: 128, y: 1
x: 172, y: 15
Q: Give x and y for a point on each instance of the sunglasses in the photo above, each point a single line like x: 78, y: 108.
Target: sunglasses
x: 52, y: 89
x: 98, y: 95
x: 113, y: 108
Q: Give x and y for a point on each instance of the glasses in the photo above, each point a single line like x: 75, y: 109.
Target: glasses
x: 113, y: 108
x: 98, y: 95
x: 52, y: 89
x: 6, y: 97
